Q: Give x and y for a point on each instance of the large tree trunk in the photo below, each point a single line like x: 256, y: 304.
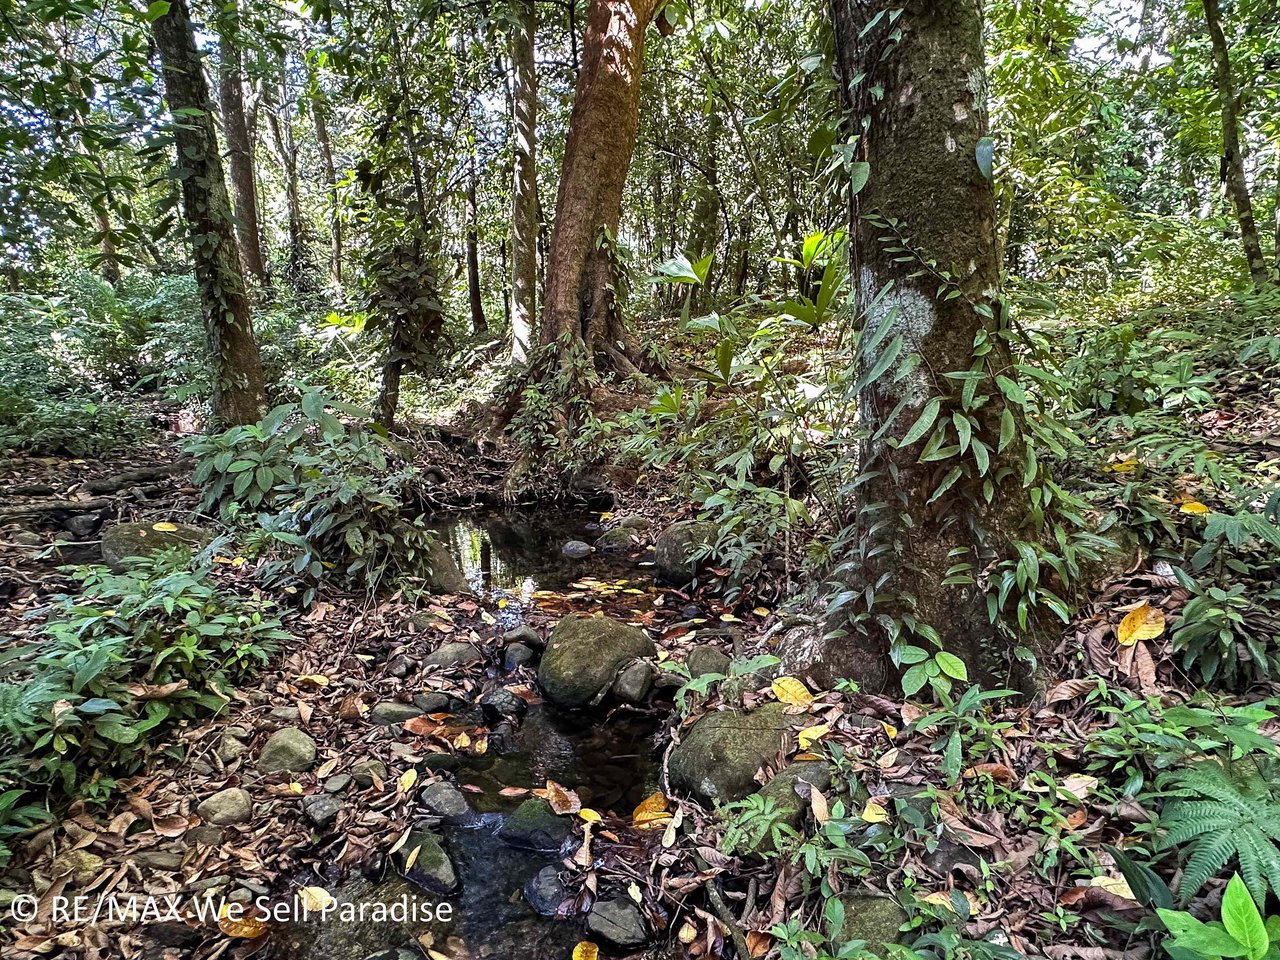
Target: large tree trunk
x: 524, y: 188
x: 239, y: 145
x: 581, y: 272
x: 1233, y: 157
x: 478, y: 322
x: 238, y: 392
x: 927, y: 209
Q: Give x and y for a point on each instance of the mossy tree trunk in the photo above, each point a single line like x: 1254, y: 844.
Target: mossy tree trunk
x: 524, y: 187
x: 244, y: 182
x: 238, y: 392
x: 581, y: 306
x: 927, y: 272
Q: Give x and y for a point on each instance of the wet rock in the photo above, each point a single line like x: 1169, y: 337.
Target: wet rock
x: 874, y: 920
x: 576, y: 550
x: 691, y: 611
x: 445, y: 801
x: 781, y: 789
x: 440, y: 763
x: 583, y: 657
x: 454, y: 654
x: 232, y: 805
x: 635, y: 523
x: 122, y: 542
x: 423, y: 861
x: 673, y: 547
x: 82, y: 866
x: 807, y: 652
x: 516, y: 656
x: 83, y: 525
x: 288, y: 750
x: 230, y: 748
x: 634, y: 683
x: 545, y: 891
x: 718, y: 758
x: 705, y: 658
x: 364, y: 772
x: 618, y: 922
x: 337, y: 783
x: 322, y: 810
x: 619, y: 538
x: 525, y: 634
x: 443, y: 573
x: 391, y: 712
x: 535, y: 826
x: 400, y: 667
x: 400, y: 953
x: 500, y: 703
x: 434, y: 701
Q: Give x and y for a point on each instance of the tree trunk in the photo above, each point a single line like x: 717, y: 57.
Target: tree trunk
x: 238, y: 392
x: 478, y: 322
x: 1233, y: 157
x: 319, y: 110
x: 581, y: 273
x: 280, y: 122
x: 923, y: 99
x: 524, y: 188
x: 239, y: 146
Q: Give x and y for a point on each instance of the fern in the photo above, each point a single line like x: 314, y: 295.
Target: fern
x: 1217, y: 812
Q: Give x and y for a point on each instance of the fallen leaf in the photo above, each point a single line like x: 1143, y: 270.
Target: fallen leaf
x: 561, y: 800
x: 586, y: 950
x: 589, y: 815
x: 315, y: 899
x: 1144, y: 622
x: 408, y: 779
x: 1194, y: 506
x: 245, y: 928
x: 652, y: 814
x: 792, y: 691
x: 810, y: 735
x: 315, y: 679
x: 874, y: 811
x: 165, y: 527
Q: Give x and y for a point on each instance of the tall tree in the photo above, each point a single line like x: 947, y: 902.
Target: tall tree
x: 478, y: 322
x: 1232, y: 154
x: 581, y: 271
x: 926, y: 265
x: 244, y: 178
x: 524, y: 187
x: 238, y: 392
x: 319, y: 113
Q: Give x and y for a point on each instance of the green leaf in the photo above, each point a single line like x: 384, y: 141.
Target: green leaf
x: 859, y: 174
x: 1241, y: 918
x: 1008, y: 427
x: 952, y: 665
x: 926, y: 420
x: 1190, y: 933
x: 157, y: 10
x: 985, y: 154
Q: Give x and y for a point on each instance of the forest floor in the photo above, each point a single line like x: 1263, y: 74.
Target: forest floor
x: 1035, y: 791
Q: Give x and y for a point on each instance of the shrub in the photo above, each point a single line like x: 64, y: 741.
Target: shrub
x: 321, y: 498
x: 133, y: 653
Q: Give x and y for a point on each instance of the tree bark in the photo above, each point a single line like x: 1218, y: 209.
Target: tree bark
x: 923, y: 100
x: 280, y: 122
x: 581, y: 274
x: 524, y: 188
x: 478, y: 322
x: 319, y: 111
x: 238, y: 392
x: 1233, y: 157
x: 239, y: 146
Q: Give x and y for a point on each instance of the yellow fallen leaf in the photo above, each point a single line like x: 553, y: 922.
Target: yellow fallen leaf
x: 1124, y: 466
x: 462, y: 740
x: 586, y: 950
x: 164, y: 527
x: 652, y: 814
x: 589, y: 815
x: 818, y: 804
x: 1079, y: 785
x: 1144, y: 622
x: 315, y: 899
x: 295, y: 787
x: 792, y: 691
x: 316, y: 679
x: 246, y: 928
x: 890, y: 759
x: 1194, y: 506
x: 890, y: 730
x: 810, y: 735
x: 408, y: 779
x: 874, y: 811
x: 762, y: 611
x: 1117, y: 886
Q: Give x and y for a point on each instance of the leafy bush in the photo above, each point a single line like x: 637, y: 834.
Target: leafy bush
x: 16, y: 818
x: 321, y: 498
x: 132, y: 653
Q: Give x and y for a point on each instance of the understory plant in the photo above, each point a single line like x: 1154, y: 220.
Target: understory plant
x: 119, y: 662
x: 316, y: 497
x: 1241, y: 931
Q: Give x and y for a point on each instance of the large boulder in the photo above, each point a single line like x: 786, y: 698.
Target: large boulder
x: 122, y: 542
x: 717, y: 760
x: 584, y: 655
x: 443, y: 575
x: 675, y: 546
x: 809, y: 652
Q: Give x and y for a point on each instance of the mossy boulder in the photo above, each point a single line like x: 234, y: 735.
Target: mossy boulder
x: 584, y: 655
x: 423, y: 861
x: 443, y: 575
x: 675, y: 546
x: 874, y: 920
x: 717, y: 760
x: 122, y: 542
x: 288, y: 750
x: 618, y: 538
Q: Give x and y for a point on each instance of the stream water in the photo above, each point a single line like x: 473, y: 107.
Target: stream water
x: 611, y: 765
